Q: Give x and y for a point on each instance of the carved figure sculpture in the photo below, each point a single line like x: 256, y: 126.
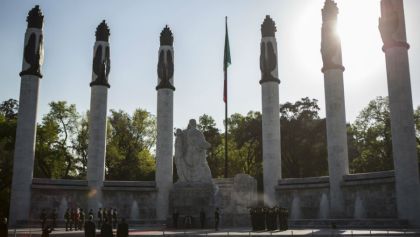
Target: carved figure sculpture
x: 190, y: 155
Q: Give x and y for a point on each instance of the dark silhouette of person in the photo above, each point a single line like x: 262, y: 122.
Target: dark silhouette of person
x: 90, y: 213
x: 202, y: 218
x: 90, y: 229
x: 216, y: 219
x: 100, y: 217
x: 106, y: 229
x: 175, y: 216
x: 3, y: 227
x: 72, y: 219
x: 46, y: 231
x: 43, y: 218
x: 53, y: 217
x: 122, y: 230
x: 82, y: 219
x: 67, y: 217
x: 108, y: 215
x: 114, y: 218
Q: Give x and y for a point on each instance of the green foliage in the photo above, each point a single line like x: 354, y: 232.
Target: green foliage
x: 129, y: 141
x: 55, y: 138
x: 303, y: 140
x: 215, y: 154
x: 8, y: 122
x: 371, y: 136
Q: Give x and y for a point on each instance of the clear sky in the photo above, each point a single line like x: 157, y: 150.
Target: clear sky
x: 198, y: 27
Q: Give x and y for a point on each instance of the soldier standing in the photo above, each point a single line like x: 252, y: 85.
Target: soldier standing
x: 122, y: 230
x: 67, y: 216
x: 43, y: 218
x: 202, y: 218
x: 115, y: 218
x: 100, y: 217
x: 90, y: 230
x: 216, y: 219
x: 90, y: 214
x: 106, y: 229
x: 82, y: 219
x: 3, y: 227
x: 46, y: 231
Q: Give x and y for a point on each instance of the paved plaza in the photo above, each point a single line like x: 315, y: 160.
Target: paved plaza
x: 153, y: 231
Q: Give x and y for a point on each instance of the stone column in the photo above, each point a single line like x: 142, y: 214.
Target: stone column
x: 98, y: 116
x: 24, y: 155
x: 392, y: 29
x: 165, y: 126
x: 270, y: 111
x: 335, y: 107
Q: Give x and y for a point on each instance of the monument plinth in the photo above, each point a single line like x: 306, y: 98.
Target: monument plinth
x: 194, y: 192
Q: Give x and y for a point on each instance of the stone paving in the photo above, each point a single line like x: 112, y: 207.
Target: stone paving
x: 144, y: 231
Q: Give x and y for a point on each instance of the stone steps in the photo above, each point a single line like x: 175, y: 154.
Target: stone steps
x: 350, y: 223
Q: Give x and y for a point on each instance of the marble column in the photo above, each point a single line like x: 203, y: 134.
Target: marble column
x: 98, y: 116
x: 24, y: 155
x: 335, y: 107
x: 270, y: 111
x: 392, y: 29
x: 165, y: 117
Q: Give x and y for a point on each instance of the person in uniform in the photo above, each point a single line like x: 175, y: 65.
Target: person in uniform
x: 46, y: 231
x: 122, y: 230
x: 67, y: 217
x: 100, y: 217
x: 106, y: 229
x: 82, y: 219
x: 90, y: 213
x: 43, y: 218
x: 90, y: 229
x: 216, y: 219
x: 114, y: 218
x: 202, y: 218
x: 3, y: 227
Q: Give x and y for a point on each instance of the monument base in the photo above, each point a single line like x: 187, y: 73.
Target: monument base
x: 188, y: 200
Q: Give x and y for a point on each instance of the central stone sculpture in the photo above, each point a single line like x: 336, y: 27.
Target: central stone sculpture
x: 190, y: 155
x: 195, y: 190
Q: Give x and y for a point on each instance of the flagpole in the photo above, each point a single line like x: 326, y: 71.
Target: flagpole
x: 226, y: 117
x: 226, y: 130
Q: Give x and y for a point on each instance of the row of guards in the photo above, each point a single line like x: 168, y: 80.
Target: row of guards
x: 266, y: 218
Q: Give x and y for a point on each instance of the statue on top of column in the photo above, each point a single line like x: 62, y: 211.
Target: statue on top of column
x: 190, y: 155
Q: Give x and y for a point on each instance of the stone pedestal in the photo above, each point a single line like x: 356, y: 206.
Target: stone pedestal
x: 188, y: 199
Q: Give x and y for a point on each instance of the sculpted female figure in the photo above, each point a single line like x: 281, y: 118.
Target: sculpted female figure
x: 190, y: 155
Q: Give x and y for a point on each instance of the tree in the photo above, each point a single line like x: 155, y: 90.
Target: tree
x: 371, y: 134
x: 215, y: 154
x: 80, y: 145
x: 130, y: 139
x: 8, y: 122
x: 246, y: 135
x: 303, y: 140
x: 54, y: 146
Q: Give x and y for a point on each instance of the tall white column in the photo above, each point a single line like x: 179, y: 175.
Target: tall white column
x: 24, y: 155
x: 335, y: 107
x: 98, y: 116
x: 270, y: 111
x: 165, y: 117
x: 392, y: 29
